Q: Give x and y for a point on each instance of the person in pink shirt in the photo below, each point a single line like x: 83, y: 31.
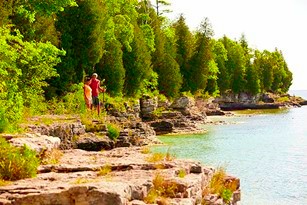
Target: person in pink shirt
x: 95, y: 85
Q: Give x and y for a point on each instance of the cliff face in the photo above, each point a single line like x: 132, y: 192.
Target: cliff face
x: 242, y: 101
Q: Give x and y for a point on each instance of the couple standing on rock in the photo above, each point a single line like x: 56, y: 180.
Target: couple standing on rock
x: 91, y: 92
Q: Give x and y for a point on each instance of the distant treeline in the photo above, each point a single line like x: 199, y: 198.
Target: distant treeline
x: 48, y: 46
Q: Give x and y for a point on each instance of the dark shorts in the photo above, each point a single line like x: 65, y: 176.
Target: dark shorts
x: 95, y: 101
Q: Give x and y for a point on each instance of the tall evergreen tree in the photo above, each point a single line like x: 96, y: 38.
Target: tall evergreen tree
x: 266, y: 70
x: 164, y: 63
x: 82, y: 36
x: 202, y: 61
x: 220, y: 57
x: 235, y: 65
x: 184, y: 50
x: 252, y: 79
x: 280, y: 73
x: 111, y: 68
x: 137, y: 63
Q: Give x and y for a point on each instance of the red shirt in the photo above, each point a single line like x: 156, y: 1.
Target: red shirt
x: 95, y: 84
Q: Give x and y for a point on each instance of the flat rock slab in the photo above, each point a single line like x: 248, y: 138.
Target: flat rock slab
x: 77, y: 180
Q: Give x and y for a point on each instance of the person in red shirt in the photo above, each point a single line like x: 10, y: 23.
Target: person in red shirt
x: 95, y: 85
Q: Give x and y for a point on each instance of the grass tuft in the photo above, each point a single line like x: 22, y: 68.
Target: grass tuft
x: 161, y: 190
x: 105, y: 170
x: 51, y: 157
x: 17, y: 163
x: 145, y: 150
x: 155, y: 157
x: 217, y: 185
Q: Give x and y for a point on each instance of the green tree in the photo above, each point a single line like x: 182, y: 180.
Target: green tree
x: 252, y: 79
x: 82, y: 37
x: 35, y: 19
x: 235, y: 65
x: 280, y: 73
x: 137, y: 63
x: 264, y: 62
x: 220, y: 57
x: 184, y: 50
x: 24, y: 68
x: 161, y: 7
x: 6, y: 9
x: 111, y: 68
x: 202, y: 63
x: 164, y: 63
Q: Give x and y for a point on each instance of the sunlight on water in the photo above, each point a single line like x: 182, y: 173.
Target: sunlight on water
x: 266, y: 149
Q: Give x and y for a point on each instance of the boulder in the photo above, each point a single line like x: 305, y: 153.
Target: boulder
x: 92, y: 142
x: 36, y: 142
x: 162, y: 127
x: 183, y: 103
x: 267, y: 98
x: 147, y: 107
x: 65, y: 131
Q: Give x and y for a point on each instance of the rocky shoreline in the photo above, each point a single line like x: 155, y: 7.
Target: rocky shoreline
x: 76, y: 178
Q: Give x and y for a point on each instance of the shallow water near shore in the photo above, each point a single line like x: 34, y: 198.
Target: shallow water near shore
x: 266, y: 149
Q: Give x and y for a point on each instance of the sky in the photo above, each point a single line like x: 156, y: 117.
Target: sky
x: 266, y: 24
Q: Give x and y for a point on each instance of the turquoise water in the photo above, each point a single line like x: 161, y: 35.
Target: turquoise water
x: 267, y: 150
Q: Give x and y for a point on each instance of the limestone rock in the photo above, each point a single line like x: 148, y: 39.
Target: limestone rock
x: 183, y: 103
x: 65, y: 131
x: 36, y: 142
x: 162, y: 127
x: 147, y: 107
x: 76, y: 180
x: 92, y: 142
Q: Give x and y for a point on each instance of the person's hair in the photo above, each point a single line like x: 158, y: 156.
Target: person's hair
x: 87, y: 78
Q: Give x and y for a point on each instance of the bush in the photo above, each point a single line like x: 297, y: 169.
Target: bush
x: 72, y: 103
x: 17, y: 163
x: 161, y: 189
x: 217, y: 185
x: 113, y: 131
x: 226, y: 195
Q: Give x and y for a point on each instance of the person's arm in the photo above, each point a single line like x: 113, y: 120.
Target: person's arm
x: 102, y: 89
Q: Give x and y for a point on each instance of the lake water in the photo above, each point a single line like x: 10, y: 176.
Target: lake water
x: 266, y: 149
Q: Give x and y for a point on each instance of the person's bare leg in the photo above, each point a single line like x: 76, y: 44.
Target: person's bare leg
x: 98, y: 109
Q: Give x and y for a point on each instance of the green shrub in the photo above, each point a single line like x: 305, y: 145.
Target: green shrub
x: 17, y: 163
x: 158, y: 112
x: 113, y: 131
x: 283, y: 99
x: 3, y: 125
x: 217, y: 185
x: 72, y: 103
x: 226, y: 195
